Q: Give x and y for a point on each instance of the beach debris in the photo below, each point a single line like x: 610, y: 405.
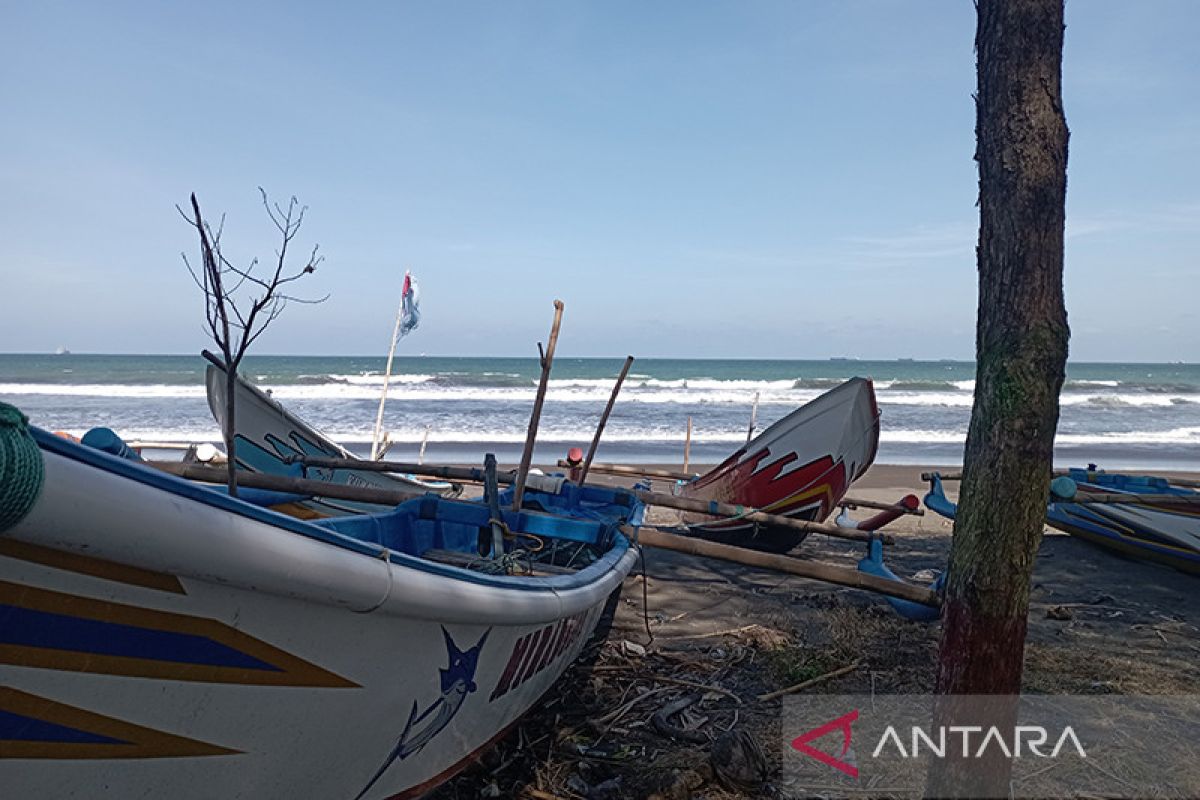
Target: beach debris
x: 663, y: 724
x: 799, y: 687
x: 1060, y: 613
x: 632, y: 649
x: 738, y: 761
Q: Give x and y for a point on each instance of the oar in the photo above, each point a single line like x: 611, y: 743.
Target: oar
x: 612, y: 399
x: 709, y: 507
x: 535, y: 417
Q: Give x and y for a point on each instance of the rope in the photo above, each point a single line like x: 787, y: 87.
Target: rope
x: 21, y: 467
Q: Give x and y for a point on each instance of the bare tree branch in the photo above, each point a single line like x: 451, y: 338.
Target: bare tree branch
x: 234, y: 318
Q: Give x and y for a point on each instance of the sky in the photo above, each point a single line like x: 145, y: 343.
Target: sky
x: 693, y: 179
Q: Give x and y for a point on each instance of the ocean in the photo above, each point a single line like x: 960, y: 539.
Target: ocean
x: 1115, y: 415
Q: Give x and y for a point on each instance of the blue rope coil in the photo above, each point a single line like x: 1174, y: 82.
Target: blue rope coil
x: 21, y: 467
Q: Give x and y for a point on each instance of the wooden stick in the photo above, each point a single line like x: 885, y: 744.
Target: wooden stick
x: 687, y: 445
x: 818, y: 570
x: 386, y: 377
x: 289, y: 484
x: 612, y: 399
x: 710, y: 507
x: 535, y: 417
x: 753, y: 419
x: 799, y: 687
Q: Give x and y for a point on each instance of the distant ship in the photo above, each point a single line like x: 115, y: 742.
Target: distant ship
x: 62, y: 351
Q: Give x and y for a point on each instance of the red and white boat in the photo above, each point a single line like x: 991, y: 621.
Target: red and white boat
x: 799, y: 467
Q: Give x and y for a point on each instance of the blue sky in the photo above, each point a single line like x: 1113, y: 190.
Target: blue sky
x: 715, y: 179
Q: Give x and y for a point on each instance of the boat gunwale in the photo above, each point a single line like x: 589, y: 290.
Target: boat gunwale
x: 179, y: 487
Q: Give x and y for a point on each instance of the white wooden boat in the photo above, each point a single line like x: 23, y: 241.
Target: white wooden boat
x: 161, y: 639
x: 267, y: 434
x: 799, y: 467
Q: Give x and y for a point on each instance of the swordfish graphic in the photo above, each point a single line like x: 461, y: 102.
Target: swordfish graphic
x: 458, y: 681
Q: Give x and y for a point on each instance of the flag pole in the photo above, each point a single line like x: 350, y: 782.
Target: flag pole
x: 387, y: 375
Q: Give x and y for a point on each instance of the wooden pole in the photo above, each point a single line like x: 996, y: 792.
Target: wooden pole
x: 687, y: 445
x: 709, y: 507
x: 612, y: 399
x: 535, y: 417
x: 753, y: 419
x: 387, y: 374
x: 819, y: 570
x: 289, y: 484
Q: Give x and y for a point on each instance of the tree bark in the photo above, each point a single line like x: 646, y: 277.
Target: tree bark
x: 1021, y: 351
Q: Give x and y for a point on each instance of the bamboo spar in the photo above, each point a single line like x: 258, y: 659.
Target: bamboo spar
x: 587, y: 462
x: 709, y: 507
x: 386, y: 377
x: 831, y: 573
x: 536, y: 415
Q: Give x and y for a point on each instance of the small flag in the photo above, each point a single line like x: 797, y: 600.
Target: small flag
x: 410, y: 314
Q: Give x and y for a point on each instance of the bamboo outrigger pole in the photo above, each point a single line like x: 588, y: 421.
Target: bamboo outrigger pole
x: 708, y: 507
x: 612, y: 399
x: 831, y: 573
x: 535, y: 417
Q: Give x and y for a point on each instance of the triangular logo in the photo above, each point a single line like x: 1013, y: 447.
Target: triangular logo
x: 842, y: 723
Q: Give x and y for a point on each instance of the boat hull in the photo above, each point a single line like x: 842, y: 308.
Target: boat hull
x: 267, y: 433
x: 799, y: 467
x: 160, y: 639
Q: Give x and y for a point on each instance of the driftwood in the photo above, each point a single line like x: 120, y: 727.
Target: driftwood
x: 799, y: 687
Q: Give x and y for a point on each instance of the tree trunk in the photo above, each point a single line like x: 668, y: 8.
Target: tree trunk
x: 230, y: 428
x: 1021, y: 351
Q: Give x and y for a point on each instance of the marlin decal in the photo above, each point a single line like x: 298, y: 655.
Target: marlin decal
x: 458, y: 681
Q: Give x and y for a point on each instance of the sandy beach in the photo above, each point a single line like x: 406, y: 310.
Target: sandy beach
x: 1098, y: 624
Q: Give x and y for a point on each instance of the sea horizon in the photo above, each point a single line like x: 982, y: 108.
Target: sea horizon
x: 1126, y: 415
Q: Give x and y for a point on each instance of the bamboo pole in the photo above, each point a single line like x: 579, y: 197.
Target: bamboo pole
x: 818, y: 570
x: 687, y: 445
x: 387, y: 375
x: 289, y: 484
x: 612, y: 399
x: 535, y: 417
x: 753, y: 419
x: 709, y: 507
